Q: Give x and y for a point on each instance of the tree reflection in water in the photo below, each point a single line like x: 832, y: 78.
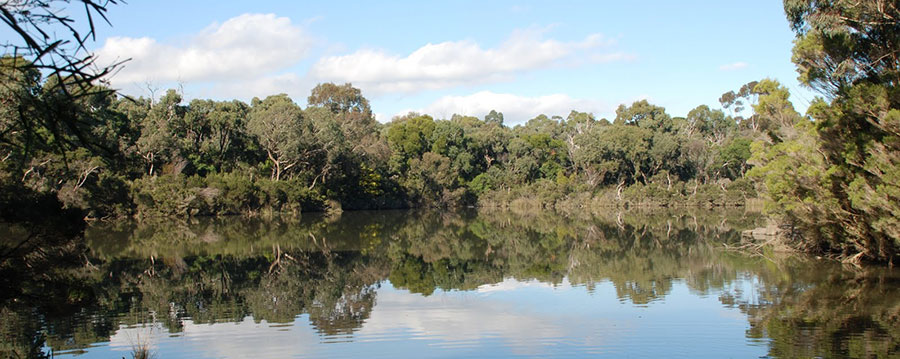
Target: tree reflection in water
x: 80, y: 292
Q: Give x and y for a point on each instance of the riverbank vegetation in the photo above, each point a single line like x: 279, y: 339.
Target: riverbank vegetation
x: 830, y: 177
x: 165, y: 157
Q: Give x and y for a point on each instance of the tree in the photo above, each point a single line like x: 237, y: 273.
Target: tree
x: 613, y: 154
x: 494, y: 117
x: 277, y: 122
x: 409, y: 137
x: 712, y: 125
x: 132, y: 114
x: 339, y: 99
x: 37, y: 25
x: 774, y: 115
x: 449, y: 139
x: 538, y: 155
x: 20, y: 88
x: 488, y: 139
x: 432, y: 178
x: 644, y: 115
x: 796, y: 183
x: 47, y: 40
x: 732, y: 158
x: 352, y: 113
x: 214, y: 134
x: 159, y: 133
x: 736, y: 102
x: 334, y: 148
x: 542, y: 125
x: 850, y: 52
x: 841, y: 43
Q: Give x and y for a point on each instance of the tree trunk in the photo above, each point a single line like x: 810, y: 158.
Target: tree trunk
x: 149, y: 158
x: 276, y: 172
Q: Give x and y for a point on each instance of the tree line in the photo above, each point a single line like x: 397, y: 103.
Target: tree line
x: 166, y: 156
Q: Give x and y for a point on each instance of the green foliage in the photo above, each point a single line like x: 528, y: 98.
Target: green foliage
x: 164, y: 157
x: 644, y: 115
x: 733, y: 157
x: 206, y: 157
x: 158, y: 143
x: 835, y: 183
x: 182, y: 196
x: 409, y: 137
x: 215, y: 135
x: 278, y: 125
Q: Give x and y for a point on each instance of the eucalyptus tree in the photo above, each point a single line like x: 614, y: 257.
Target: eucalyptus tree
x: 353, y: 115
x: 277, y: 122
x: 334, y: 150
x: 490, y: 137
x: 537, y: 155
x: 494, y: 117
x: 432, y: 177
x: 850, y: 52
x: 159, y: 142
x: 215, y: 134
x: 702, y: 131
x: 450, y: 140
x: 614, y: 154
x: 645, y: 115
x: 354, y: 155
x: 49, y: 50
x: 737, y: 102
x: 663, y: 144
x: 712, y: 125
x: 409, y: 137
x: 20, y: 87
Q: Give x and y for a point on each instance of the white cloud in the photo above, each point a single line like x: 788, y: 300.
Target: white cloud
x: 241, y: 339
x: 734, y: 67
x: 516, y: 109
x: 243, y: 47
x: 453, y: 63
x: 258, y: 55
x: 297, y: 87
x: 512, y: 284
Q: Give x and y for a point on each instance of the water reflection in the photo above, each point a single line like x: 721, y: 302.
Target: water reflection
x: 495, y: 283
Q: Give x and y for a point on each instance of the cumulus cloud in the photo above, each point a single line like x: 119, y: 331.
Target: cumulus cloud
x: 516, y: 109
x: 453, y: 63
x: 297, y: 87
x: 733, y: 67
x: 241, y: 339
x: 242, y: 47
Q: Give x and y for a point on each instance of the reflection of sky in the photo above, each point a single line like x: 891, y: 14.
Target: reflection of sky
x: 511, y: 318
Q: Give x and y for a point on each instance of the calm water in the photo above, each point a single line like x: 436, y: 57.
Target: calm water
x: 424, y: 284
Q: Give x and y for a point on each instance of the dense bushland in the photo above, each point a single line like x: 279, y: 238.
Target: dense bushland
x: 165, y: 157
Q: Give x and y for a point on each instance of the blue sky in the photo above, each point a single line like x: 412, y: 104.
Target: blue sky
x: 520, y: 57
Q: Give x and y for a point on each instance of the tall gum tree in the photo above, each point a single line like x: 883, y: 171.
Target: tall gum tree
x: 850, y: 52
x: 276, y: 121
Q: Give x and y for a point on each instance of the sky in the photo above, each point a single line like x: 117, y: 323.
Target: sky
x: 523, y: 58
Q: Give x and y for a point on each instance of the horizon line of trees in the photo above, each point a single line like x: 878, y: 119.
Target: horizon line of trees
x: 149, y: 157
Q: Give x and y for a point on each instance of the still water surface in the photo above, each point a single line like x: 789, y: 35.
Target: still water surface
x: 490, y: 284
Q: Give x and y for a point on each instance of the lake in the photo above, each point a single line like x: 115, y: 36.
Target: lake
x: 432, y: 284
